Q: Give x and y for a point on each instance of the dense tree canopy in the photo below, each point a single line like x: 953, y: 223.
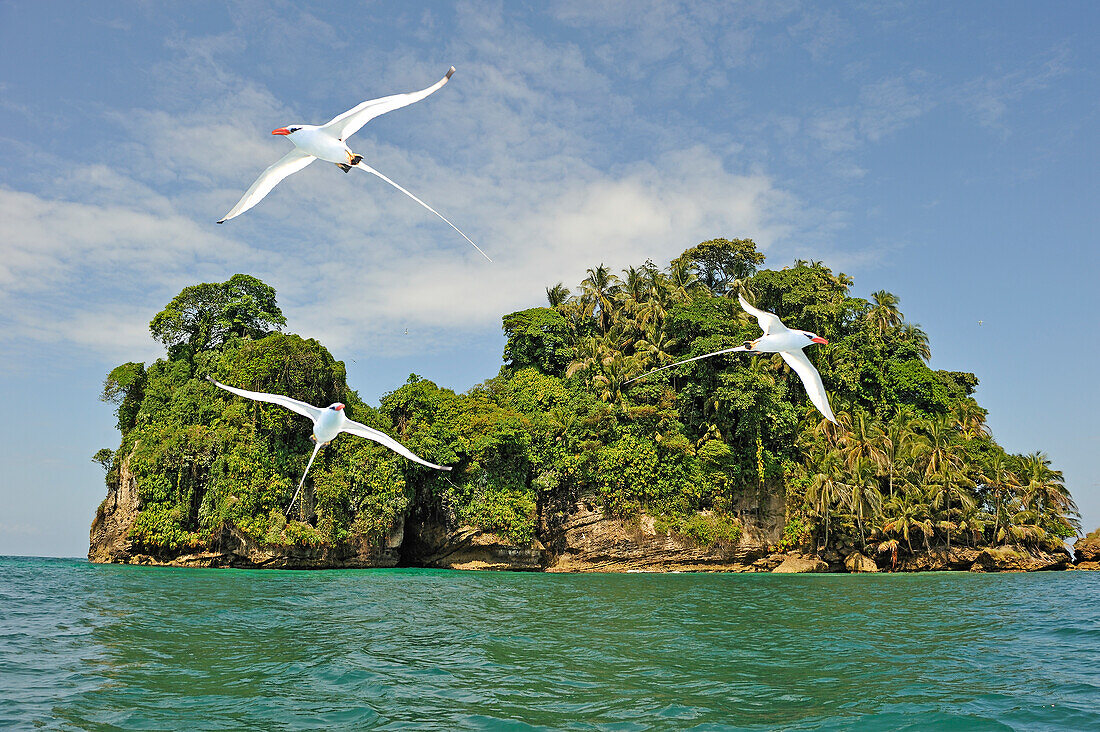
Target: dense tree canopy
x: 699, y: 447
x: 207, y: 315
x: 719, y: 263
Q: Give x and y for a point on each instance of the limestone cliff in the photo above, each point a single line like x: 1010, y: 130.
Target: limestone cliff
x: 592, y: 541
x: 1087, y: 551
x: 586, y: 540
x: 109, y: 540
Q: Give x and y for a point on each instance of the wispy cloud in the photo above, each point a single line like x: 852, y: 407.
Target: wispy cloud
x: 502, y: 150
x: 517, y: 150
x: 989, y: 96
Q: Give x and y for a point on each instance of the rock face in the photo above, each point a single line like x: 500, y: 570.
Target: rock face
x: 939, y: 560
x: 109, y: 542
x: 585, y: 540
x: 591, y: 541
x: 466, y: 547
x: 229, y: 547
x: 1087, y: 551
x: 1019, y: 559
x: 802, y: 565
x: 856, y: 562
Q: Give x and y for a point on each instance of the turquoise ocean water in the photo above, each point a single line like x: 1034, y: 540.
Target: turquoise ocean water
x: 87, y: 646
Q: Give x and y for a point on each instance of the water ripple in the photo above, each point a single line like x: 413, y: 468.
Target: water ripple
x: 104, y: 647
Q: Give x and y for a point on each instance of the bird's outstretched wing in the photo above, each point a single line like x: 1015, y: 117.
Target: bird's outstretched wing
x: 306, y: 410
x: 292, y: 162
x: 811, y: 380
x: 347, y: 124
x: 687, y: 360
x: 361, y: 430
x: 769, y: 322
x: 372, y: 171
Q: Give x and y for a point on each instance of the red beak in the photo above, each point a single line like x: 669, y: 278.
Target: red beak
x: 281, y: 131
x: 339, y: 407
x: 819, y: 339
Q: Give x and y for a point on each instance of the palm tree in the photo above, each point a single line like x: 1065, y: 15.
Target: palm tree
x: 588, y: 353
x: 599, y: 289
x: 1000, y: 481
x: 938, y: 445
x: 896, y: 438
x: 861, y: 441
x: 615, y: 371
x: 562, y: 422
x: 912, y: 334
x: 906, y: 512
x: 682, y: 281
x: 656, y: 346
x: 1044, y: 492
x: 944, y: 486
x: 890, y: 545
x: 578, y: 316
x: 826, y: 489
x: 1024, y: 527
x: 885, y: 314
x: 557, y: 294
x: 973, y: 522
x: 635, y: 285
x: 969, y: 419
x: 864, y: 497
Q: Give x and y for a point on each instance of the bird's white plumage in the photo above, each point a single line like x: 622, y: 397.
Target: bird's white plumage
x: 327, y: 142
x: 811, y: 379
x: 769, y: 322
x: 290, y: 163
x: 780, y: 339
x: 327, y: 424
x: 302, y: 482
x: 361, y: 430
x: 371, y: 170
x: 347, y: 124
x: 306, y: 410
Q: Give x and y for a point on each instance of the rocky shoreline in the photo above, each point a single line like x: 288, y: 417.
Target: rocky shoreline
x: 587, y: 540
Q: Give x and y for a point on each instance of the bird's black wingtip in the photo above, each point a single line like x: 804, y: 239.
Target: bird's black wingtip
x: 221, y: 222
x: 450, y: 72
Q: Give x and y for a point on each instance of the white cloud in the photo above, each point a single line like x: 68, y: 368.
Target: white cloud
x: 510, y: 150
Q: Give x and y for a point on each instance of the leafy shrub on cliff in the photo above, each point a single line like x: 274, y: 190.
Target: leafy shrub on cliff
x: 201, y: 457
x: 705, y: 529
x: 911, y: 459
x: 158, y: 528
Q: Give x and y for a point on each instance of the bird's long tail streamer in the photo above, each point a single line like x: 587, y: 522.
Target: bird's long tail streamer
x: 303, y: 481
x: 687, y: 360
x: 371, y: 170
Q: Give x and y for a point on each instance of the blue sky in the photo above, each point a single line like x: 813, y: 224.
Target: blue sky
x: 945, y: 152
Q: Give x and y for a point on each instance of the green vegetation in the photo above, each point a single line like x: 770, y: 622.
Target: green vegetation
x: 701, y: 448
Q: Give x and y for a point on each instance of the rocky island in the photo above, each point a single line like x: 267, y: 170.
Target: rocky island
x: 559, y: 464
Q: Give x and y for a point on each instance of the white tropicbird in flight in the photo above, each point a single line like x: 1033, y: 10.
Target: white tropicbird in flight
x: 788, y: 343
x: 327, y: 142
x: 327, y: 423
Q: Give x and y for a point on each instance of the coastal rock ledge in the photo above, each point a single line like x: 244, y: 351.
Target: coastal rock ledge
x: 110, y: 542
x: 802, y: 565
x: 592, y: 541
x: 586, y: 540
x: 1087, y: 551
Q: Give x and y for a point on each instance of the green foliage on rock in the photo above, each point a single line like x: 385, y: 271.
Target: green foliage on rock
x: 698, y: 447
x: 538, y: 338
